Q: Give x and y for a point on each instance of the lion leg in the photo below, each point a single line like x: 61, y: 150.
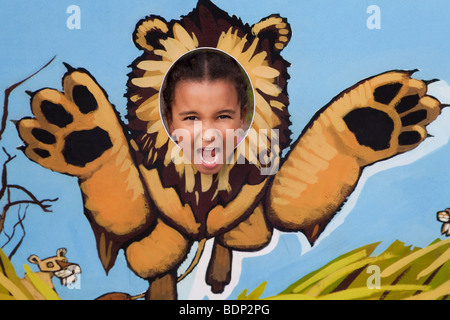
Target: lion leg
x: 376, y: 119
x: 252, y: 234
x: 218, y: 274
x: 163, y: 287
x: 157, y: 258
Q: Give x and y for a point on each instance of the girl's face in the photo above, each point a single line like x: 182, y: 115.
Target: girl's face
x: 205, y: 116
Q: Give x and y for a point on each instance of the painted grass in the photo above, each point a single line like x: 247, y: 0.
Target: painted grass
x: 403, y: 273
x: 11, y: 287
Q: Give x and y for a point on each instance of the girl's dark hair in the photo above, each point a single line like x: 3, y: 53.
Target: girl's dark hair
x: 205, y: 64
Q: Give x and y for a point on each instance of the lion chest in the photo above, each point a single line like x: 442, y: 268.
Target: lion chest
x: 201, y: 214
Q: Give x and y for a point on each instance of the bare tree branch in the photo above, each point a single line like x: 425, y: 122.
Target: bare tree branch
x: 4, y: 174
x: 19, y: 202
x: 5, y: 187
x: 19, y: 222
x: 8, y: 92
x: 33, y: 198
x: 13, y: 251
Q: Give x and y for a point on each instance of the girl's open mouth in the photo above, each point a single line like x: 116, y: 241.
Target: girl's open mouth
x: 210, y: 157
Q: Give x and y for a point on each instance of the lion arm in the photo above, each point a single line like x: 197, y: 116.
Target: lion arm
x: 311, y: 185
x: 376, y: 119
x: 116, y: 204
x: 77, y: 132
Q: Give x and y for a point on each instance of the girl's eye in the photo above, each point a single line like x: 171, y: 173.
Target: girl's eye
x: 191, y: 118
x: 224, y: 116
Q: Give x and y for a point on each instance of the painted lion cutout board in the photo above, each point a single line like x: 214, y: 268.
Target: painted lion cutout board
x: 225, y: 150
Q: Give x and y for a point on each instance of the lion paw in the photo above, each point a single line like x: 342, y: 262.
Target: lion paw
x: 384, y: 115
x: 75, y: 131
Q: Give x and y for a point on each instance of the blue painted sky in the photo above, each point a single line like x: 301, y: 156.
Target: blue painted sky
x: 331, y: 49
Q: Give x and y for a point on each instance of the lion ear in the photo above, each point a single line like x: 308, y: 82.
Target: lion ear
x: 275, y: 29
x: 149, y: 32
x: 61, y: 252
x: 34, y: 259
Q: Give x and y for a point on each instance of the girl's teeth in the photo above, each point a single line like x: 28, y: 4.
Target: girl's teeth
x: 209, y: 157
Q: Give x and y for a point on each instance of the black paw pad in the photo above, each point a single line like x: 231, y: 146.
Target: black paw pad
x: 84, y: 99
x: 43, y: 136
x: 372, y: 128
x: 56, y: 114
x: 42, y: 153
x: 409, y: 138
x: 414, y: 117
x: 407, y: 103
x: 385, y: 94
x: 85, y: 146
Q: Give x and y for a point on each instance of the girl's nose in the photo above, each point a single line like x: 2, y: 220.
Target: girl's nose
x: 209, y: 132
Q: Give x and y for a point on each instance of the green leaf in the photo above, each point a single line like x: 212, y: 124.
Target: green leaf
x: 6, y: 297
x: 40, y: 285
x: 318, y: 288
x: 365, y: 293
x: 242, y: 295
x: 330, y: 268
x: 255, y: 294
x: 7, y: 269
x: 15, y: 291
x: 406, y: 273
